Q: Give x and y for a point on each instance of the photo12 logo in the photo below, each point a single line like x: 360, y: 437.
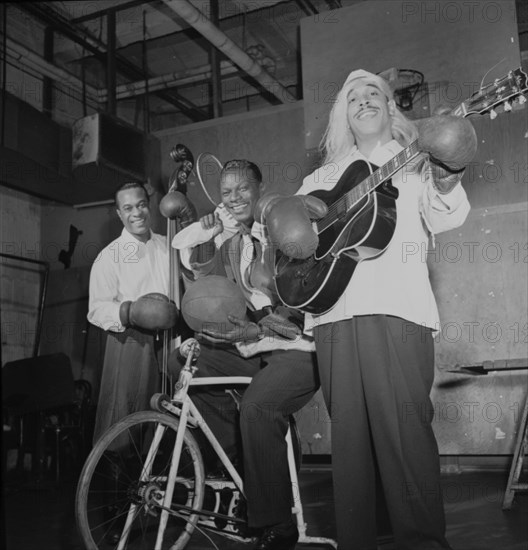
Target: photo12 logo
x: 468, y: 252
x: 451, y: 12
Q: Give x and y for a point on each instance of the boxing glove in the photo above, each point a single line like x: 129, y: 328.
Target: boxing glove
x: 152, y: 311
x: 176, y: 205
x: 450, y: 141
x: 264, y: 204
x: 290, y: 226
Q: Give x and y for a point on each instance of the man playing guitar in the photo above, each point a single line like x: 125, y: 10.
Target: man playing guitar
x: 375, y: 344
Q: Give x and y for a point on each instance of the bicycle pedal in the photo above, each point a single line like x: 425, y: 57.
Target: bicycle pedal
x: 217, y: 484
x: 151, y: 511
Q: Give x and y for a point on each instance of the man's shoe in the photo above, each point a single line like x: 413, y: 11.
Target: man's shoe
x: 275, y: 538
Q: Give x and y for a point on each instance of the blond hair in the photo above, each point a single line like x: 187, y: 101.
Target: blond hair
x: 338, y: 140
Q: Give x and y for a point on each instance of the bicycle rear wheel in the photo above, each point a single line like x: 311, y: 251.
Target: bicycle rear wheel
x: 120, y: 495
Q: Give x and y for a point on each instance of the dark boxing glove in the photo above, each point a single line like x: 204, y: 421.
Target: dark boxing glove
x: 152, y: 311
x: 450, y: 141
x: 264, y: 204
x: 176, y: 205
x: 290, y: 226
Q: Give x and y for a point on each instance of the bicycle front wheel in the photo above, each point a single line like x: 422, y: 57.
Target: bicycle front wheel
x: 121, y: 499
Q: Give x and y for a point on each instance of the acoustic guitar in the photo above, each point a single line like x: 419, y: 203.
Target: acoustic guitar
x: 361, y: 214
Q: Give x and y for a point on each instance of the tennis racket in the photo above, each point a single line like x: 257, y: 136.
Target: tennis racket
x: 208, y: 169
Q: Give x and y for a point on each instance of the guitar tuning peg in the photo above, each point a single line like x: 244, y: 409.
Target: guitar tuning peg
x: 493, y: 114
x: 507, y: 106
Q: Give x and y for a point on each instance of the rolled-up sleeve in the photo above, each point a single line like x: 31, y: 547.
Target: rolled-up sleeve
x: 443, y: 211
x: 103, y: 307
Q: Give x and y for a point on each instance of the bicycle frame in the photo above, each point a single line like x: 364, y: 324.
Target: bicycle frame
x: 181, y: 405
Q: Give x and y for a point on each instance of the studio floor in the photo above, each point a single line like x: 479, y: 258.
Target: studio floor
x: 40, y: 516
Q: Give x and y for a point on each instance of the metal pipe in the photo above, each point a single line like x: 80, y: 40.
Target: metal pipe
x: 111, y: 62
x: 107, y: 202
x: 62, y: 25
x: 42, y: 303
x: 47, y: 86
x: 214, y: 59
x: 22, y: 54
x: 41, y: 70
x: 197, y: 19
x: 4, y: 73
x: 198, y: 74
x: 146, y: 104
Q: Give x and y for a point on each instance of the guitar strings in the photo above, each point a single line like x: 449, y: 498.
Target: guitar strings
x: 489, y: 71
x: 354, y: 195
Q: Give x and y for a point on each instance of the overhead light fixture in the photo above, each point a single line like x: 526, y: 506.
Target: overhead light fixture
x: 259, y: 53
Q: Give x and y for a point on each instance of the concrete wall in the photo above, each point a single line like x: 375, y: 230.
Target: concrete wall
x: 270, y: 137
x: 20, y: 282
x: 479, y: 271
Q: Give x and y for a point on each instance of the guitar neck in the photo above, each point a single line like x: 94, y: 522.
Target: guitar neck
x: 354, y: 195
x: 383, y: 173
x: 500, y: 92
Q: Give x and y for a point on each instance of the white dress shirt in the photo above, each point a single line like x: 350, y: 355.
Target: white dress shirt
x: 125, y: 270
x: 397, y: 281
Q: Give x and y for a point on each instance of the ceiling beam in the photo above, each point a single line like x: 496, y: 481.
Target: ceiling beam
x: 197, y: 19
x: 22, y: 55
x: 80, y: 36
x: 101, y: 13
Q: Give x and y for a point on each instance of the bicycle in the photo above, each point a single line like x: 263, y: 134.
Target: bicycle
x: 143, y: 485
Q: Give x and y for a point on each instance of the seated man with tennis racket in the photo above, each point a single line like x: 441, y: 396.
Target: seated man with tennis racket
x: 268, y: 345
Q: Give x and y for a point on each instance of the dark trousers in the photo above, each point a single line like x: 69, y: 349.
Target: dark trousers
x: 283, y: 382
x: 376, y: 374
x: 129, y: 379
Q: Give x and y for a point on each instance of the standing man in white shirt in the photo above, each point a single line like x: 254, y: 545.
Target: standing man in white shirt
x: 128, y: 298
x: 375, y: 345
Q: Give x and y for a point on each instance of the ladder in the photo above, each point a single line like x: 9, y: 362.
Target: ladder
x: 521, y: 442
x: 521, y: 445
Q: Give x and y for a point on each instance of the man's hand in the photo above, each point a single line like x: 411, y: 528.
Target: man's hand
x: 243, y: 331
x: 275, y: 324
x: 212, y: 221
